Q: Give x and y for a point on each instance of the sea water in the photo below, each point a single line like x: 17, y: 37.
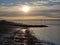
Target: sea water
x: 50, y: 33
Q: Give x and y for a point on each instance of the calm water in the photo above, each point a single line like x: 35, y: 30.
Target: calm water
x: 50, y: 33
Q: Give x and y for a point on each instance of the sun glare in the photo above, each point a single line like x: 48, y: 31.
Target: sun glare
x: 25, y: 8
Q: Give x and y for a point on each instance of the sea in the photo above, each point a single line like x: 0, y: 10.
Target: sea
x: 50, y: 33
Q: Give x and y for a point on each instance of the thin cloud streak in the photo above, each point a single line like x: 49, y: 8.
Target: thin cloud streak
x: 27, y: 18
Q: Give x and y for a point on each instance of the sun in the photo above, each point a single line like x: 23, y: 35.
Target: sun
x: 25, y: 8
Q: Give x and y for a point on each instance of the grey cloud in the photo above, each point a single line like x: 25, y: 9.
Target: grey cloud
x: 47, y: 13
x: 53, y: 11
x: 8, y: 13
x: 55, y: 0
x: 51, y: 0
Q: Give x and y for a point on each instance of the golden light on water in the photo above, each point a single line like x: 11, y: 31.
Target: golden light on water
x: 25, y: 8
x: 23, y: 30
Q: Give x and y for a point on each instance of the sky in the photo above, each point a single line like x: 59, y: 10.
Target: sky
x: 42, y: 8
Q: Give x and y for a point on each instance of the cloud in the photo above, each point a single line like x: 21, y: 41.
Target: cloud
x: 30, y: 2
x: 51, y: 11
x: 51, y: 0
x: 55, y: 0
x: 39, y: 2
x: 30, y: 18
x: 45, y: 3
x: 48, y: 8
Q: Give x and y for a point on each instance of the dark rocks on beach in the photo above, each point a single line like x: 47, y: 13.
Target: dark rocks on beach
x: 16, y: 34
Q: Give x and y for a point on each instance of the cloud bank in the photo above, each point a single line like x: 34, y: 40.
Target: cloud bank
x: 48, y: 8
